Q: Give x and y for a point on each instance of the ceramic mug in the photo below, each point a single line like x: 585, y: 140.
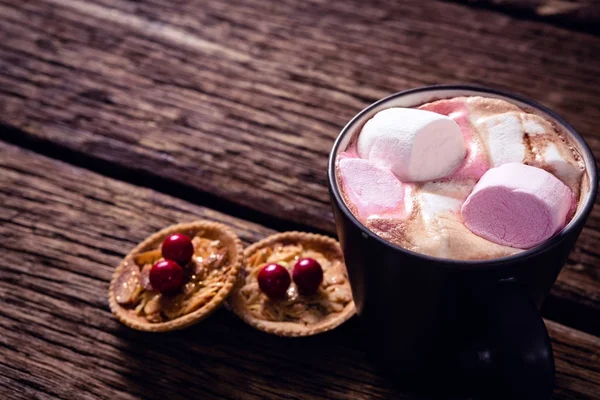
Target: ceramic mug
x: 474, y: 322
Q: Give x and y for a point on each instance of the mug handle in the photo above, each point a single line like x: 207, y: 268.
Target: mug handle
x: 510, y: 356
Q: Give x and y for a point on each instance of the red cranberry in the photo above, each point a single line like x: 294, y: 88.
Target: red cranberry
x: 179, y: 248
x: 308, y: 275
x: 274, y: 280
x: 166, y: 276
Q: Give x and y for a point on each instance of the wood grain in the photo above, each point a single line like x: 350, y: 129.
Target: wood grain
x: 64, y: 229
x: 193, y: 93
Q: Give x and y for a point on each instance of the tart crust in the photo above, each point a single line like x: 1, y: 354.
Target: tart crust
x: 206, y: 229
x: 327, y: 247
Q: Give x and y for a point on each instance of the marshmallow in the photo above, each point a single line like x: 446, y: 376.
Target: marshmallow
x: 416, y: 145
x: 432, y: 205
x: 563, y: 164
x: 517, y: 205
x: 550, y: 152
x: 534, y: 125
x: 503, y: 135
x: 371, y: 189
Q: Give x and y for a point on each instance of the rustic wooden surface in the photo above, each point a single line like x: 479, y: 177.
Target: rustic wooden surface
x: 233, y: 106
x: 64, y: 229
x: 193, y: 92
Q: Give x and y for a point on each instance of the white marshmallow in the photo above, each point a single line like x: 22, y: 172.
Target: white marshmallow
x: 550, y: 151
x: 416, y: 145
x: 503, y: 135
x: 432, y: 205
x: 533, y: 126
x: 565, y: 169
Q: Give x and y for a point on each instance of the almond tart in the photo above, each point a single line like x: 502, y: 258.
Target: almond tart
x: 295, y: 314
x: 208, y: 279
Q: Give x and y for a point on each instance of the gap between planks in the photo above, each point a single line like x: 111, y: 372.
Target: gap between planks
x: 147, y: 179
x: 576, y: 15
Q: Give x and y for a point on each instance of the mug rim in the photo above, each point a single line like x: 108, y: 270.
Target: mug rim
x: 492, y: 262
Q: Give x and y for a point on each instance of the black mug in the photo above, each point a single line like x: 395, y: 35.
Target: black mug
x: 473, y: 322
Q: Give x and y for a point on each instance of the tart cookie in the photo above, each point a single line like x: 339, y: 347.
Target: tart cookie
x: 208, y: 278
x: 295, y: 314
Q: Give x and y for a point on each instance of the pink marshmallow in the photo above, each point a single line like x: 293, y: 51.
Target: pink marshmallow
x: 517, y: 205
x: 373, y: 190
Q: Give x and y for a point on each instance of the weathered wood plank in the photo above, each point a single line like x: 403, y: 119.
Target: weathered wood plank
x: 62, y: 231
x: 192, y: 92
x: 575, y: 14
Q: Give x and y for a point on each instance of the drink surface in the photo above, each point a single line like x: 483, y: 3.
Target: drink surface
x: 428, y: 214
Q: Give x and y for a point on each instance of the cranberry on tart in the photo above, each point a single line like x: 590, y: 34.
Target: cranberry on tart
x: 293, y: 284
x: 176, y: 277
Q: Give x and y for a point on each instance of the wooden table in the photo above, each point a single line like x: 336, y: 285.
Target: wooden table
x: 119, y: 117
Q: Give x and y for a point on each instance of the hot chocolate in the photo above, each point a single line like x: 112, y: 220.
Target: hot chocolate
x: 465, y: 178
